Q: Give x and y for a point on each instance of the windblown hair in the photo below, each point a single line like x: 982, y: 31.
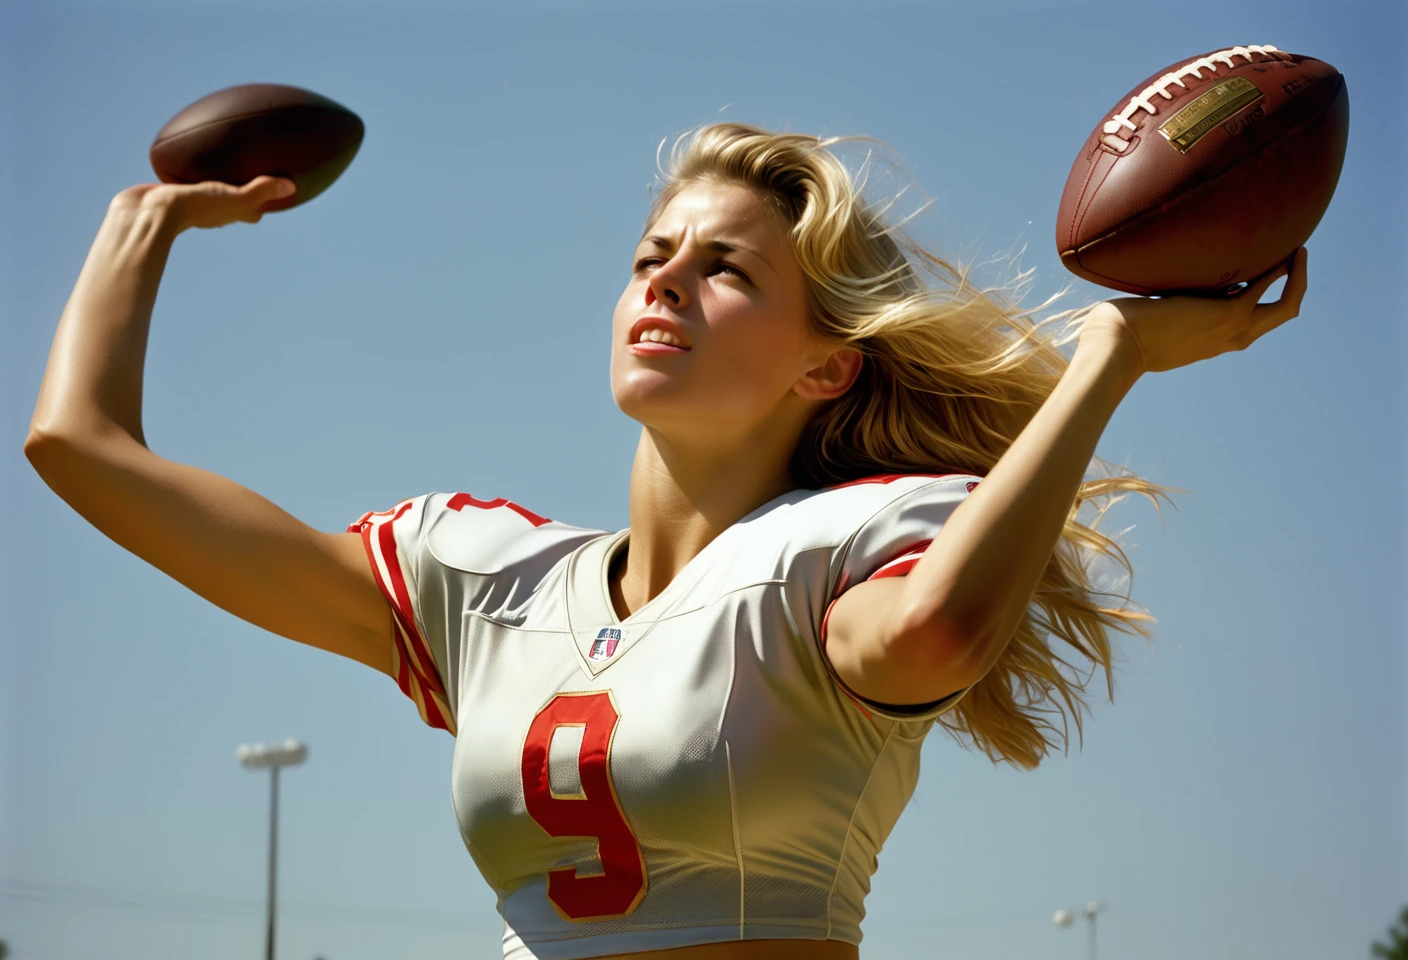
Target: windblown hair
x: 951, y: 375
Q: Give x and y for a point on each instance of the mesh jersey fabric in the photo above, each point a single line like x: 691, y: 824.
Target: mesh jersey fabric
x: 691, y: 774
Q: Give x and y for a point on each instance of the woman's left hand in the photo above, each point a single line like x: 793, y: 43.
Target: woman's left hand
x: 1175, y: 331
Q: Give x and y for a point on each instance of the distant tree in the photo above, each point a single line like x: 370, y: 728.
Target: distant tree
x: 4, y: 950
x: 1395, y: 949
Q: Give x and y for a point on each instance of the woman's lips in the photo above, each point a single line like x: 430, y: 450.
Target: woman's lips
x: 649, y: 348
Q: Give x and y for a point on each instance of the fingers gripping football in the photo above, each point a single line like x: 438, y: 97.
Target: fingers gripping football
x: 1269, y: 316
x: 1173, y: 332
x: 210, y: 203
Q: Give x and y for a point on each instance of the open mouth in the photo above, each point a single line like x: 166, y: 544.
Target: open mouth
x: 656, y: 341
x: 655, y: 336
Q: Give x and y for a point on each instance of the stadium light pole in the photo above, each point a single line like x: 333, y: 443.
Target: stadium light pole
x: 1064, y: 918
x: 274, y: 755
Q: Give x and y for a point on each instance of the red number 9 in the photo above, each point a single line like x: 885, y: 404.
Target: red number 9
x: 617, y: 890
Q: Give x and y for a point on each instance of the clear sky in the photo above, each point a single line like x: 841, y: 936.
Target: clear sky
x: 438, y: 321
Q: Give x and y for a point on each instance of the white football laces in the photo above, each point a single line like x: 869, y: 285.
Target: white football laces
x: 1142, y: 101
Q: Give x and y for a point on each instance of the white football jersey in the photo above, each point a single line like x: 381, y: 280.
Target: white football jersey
x: 693, y: 773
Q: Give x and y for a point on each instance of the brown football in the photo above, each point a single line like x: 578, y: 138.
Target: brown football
x: 1207, y: 174
x: 238, y: 133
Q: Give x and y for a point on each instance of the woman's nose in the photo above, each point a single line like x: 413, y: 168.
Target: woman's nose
x: 663, y: 288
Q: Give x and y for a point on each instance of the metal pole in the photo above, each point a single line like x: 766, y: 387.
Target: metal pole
x: 273, y: 857
x: 272, y: 755
x: 1091, y: 916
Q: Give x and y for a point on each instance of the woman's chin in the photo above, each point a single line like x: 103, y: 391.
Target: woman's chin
x: 649, y: 408
x: 661, y: 403
x: 642, y: 389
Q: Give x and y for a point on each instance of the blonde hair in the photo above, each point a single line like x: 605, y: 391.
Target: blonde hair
x: 951, y: 375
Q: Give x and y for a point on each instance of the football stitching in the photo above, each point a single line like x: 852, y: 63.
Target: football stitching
x: 1194, y: 68
x: 1087, y: 194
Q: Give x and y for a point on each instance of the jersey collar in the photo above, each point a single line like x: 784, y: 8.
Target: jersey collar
x: 588, y: 600
x: 590, y: 611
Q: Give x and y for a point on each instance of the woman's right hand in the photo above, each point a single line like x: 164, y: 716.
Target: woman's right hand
x: 208, y: 204
x: 1175, y: 331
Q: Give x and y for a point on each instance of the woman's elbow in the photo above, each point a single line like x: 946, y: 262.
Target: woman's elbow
x: 41, y: 447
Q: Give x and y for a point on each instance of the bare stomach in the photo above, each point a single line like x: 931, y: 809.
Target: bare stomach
x: 752, y: 950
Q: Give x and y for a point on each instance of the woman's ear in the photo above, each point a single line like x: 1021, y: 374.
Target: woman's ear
x: 832, y: 378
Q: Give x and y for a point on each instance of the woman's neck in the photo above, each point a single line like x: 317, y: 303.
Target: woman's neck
x: 682, y: 499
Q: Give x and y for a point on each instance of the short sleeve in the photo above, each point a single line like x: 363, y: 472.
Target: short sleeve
x: 437, y: 555
x: 888, y: 544
x: 395, y: 543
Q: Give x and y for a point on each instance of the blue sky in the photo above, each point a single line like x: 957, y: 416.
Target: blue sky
x: 438, y: 321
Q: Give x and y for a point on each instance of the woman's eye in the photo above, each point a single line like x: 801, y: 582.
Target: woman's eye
x: 645, y: 262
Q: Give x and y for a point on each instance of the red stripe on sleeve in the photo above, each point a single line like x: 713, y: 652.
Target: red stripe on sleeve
x: 898, y: 566
x: 414, y: 670
x: 902, y: 564
x: 403, y: 672
x: 421, y: 660
x: 432, y: 715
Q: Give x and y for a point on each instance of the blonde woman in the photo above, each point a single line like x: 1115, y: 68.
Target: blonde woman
x: 854, y: 512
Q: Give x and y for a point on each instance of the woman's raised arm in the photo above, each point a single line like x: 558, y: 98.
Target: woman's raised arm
x: 920, y: 637
x: 221, y: 540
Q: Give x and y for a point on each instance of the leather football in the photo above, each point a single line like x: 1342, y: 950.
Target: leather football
x: 1207, y: 174
x: 241, y: 132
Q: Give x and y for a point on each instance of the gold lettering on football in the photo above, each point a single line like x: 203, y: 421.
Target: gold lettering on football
x: 1192, y: 123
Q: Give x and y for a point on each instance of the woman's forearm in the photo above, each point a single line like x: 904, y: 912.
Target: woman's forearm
x: 977, y: 578
x: 93, y: 381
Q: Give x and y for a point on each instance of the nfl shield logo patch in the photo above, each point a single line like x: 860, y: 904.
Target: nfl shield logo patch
x: 605, y: 644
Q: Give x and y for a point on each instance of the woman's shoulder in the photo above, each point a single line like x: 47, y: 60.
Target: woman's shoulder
x: 889, y: 486
x: 837, y: 534
x: 491, y: 534
x: 846, y: 502
x: 807, y: 519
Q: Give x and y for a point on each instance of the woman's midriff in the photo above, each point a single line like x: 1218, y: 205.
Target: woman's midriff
x: 752, y: 950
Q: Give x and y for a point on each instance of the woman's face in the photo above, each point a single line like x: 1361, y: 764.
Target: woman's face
x: 711, y: 337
